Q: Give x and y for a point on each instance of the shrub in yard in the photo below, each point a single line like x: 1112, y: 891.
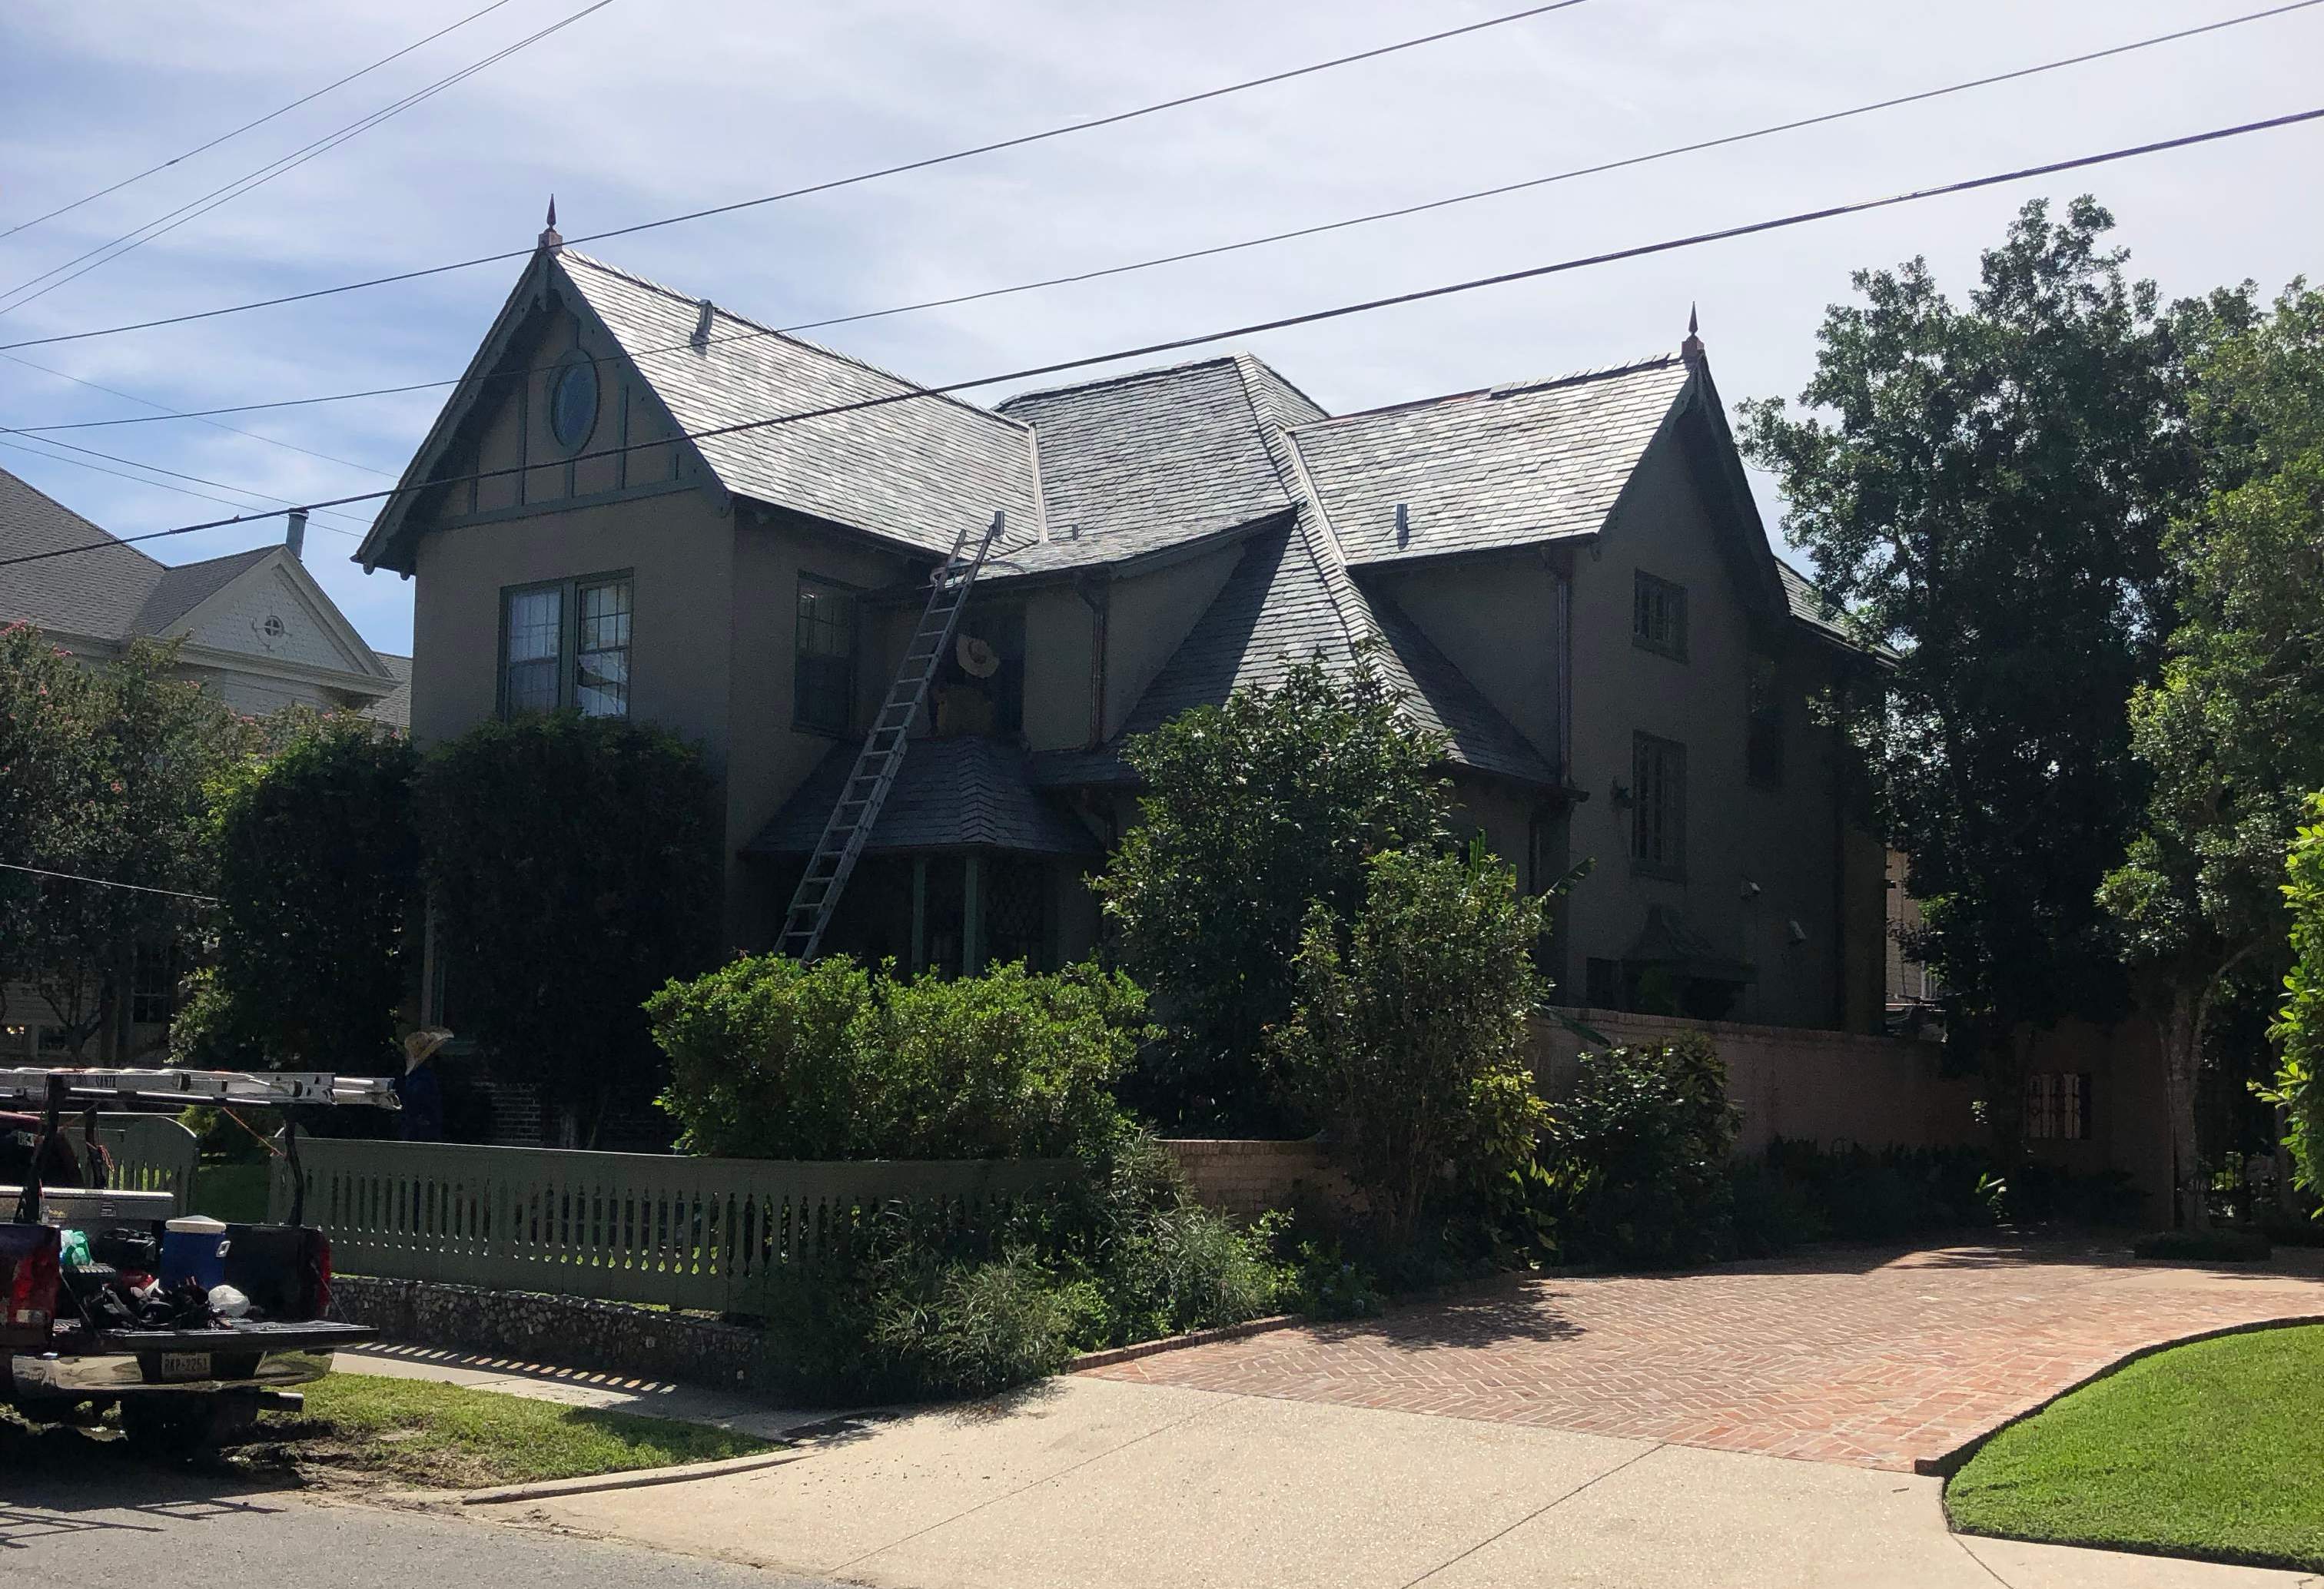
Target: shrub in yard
x: 2299, y: 1089
x: 1772, y: 1213
x: 2204, y: 1246
x: 769, y: 1058
x: 1637, y: 1155
x: 1410, y: 1028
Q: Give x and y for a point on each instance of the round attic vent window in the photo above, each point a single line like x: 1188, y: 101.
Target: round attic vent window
x: 274, y: 627
x: 573, y: 400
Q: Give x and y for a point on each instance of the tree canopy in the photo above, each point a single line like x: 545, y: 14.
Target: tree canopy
x: 572, y: 869
x: 1986, y: 488
x: 1254, y: 812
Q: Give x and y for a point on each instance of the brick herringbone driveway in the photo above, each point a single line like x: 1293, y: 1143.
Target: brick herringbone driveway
x: 1859, y: 1358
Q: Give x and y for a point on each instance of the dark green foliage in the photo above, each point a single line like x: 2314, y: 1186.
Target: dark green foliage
x: 2204, y: 1246
x: 1637, y: 1154
x: 1986, y: 489
x: 104, y: 773
x: 924, y: 1307
x: 1255, y: 811
x: 318, y: 862
x: 770, y: 1060
x: 572, y: 868
x: 1409, y: 1038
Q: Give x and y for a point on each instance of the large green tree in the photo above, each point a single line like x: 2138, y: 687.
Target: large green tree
x: 2299, y: 1090
x: 1986, y: 488
x: 2234, y: 730
x: 318, y: 860
x: 103, y: 772
x: 1254, y: 812
x: 572, y: 870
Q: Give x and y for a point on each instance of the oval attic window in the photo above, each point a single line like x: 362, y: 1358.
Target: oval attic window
x: 573, y: 400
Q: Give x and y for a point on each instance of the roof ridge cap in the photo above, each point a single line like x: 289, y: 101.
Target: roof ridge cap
x: 1505, y: 389
x: 1148, y: 373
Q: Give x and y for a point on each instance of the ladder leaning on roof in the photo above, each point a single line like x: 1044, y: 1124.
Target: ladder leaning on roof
x: 874, y: 773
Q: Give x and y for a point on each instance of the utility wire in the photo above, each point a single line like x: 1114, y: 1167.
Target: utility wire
x: 168, y: 412
x: 1723, y: 141
x: 194, y: 210
x: 176, y: 474
x: 1285, y: 322
x: 823, y: 187
x: 164, y: 485
x: 109, y: 883
x: 246, y: 126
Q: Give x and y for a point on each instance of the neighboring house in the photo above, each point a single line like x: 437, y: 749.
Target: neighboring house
x: 254, y: 626
x: 1566, y: 577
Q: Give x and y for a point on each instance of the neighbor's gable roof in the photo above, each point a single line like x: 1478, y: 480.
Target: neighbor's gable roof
x: 95, y: 594
x: 1484, y: 471
x: 187, y: 586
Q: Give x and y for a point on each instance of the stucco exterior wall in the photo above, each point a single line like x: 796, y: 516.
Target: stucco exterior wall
x: 1497, y: 621
x: 1060, y: 648
x: 1758, y: 860
x: 2130, y: 1122
x: 1830, y: 1088
x: 1148, y: 615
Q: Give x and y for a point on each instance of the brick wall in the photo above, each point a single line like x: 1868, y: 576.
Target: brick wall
x: 1246, y: 1178
x: 1797, y: 1082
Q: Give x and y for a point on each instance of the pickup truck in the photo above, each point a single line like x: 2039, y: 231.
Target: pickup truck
x: 186, y: 1364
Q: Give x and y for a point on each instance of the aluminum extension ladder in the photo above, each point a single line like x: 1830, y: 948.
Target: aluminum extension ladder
x: 874, y: 773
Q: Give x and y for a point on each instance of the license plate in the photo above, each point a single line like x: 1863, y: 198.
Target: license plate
x: 183, y: 1366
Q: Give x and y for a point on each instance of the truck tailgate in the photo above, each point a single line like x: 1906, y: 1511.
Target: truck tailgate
x: 319, y: 1334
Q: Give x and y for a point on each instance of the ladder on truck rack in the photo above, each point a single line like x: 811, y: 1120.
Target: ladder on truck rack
x: 874, y: 773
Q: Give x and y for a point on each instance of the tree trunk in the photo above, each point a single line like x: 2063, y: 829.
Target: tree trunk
x: 2180, y: 1032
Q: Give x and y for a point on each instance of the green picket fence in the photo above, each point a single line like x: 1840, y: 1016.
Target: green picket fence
x: 151, y: 1152
x: 705, y: 1233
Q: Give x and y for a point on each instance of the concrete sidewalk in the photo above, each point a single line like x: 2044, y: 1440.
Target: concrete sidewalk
x: 1086, y: 1482
x: 572, y: 1387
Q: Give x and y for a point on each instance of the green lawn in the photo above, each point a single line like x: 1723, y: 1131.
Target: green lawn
x: 437, y: 1436
x: 235, y: 1193
x: 2215, y: 1449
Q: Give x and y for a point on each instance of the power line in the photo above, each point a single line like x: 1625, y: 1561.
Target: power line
x: 177, y: 474
x: 167, y: 412
x: 130, y: 240
x: 109, y: 883
x: 1724, y: 141
x: 1286, y: 322
x: 164, y: 485
x: 827, y: 186
x: 246, y: 126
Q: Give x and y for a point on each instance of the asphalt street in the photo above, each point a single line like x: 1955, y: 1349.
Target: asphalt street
x: 126, y: 1523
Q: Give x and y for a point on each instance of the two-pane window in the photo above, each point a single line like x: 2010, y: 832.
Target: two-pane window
x: 1658, y: 616
x: 1658, y: 805
x: 566, y: 644
x: 2058, y: 1105
x: 822, y: 679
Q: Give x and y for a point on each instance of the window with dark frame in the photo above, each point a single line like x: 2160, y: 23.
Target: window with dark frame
x: 153, y: 986
x: 2058, y: 1105
x: 1763, y: 744
x: 823, y: 681
x: 1658, y: 615
x: 1657, y: 806
x: 566, y: 643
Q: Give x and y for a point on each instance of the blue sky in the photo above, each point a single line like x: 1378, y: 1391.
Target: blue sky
x: 647, y: 108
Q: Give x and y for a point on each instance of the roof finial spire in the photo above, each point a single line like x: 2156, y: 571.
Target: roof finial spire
x: 1691, y: 350
x: 551, y: 238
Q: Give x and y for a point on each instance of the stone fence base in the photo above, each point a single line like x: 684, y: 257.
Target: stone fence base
x: 571, y: 1332
x: 1246, y: 1177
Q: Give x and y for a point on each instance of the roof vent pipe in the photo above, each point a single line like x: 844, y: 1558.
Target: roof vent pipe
x: 294, y: 533
x: 701, y: 339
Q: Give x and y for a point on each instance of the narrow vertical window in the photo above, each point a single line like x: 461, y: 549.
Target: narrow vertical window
x: 1658, y: 615
x: 823, y: 681
x: 601, y: 658
x: 1763, y: 744
x: 1658, y: 806
x: 532, y: 623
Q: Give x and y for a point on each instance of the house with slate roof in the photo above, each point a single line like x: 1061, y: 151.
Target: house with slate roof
x: 1566, y: 578
x: 252, y: 627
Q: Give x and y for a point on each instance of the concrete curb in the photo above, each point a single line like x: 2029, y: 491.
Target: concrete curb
x: 1196, y: 1337
x: 795, y: 1444
x: 1945, y: 1464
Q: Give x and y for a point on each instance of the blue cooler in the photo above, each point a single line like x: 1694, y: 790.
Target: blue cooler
x: 193, y: 1249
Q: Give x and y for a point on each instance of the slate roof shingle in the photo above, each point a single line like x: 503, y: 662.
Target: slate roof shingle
x: 1485, y: 470
x: 915, y: 472
x: 958, y: 794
